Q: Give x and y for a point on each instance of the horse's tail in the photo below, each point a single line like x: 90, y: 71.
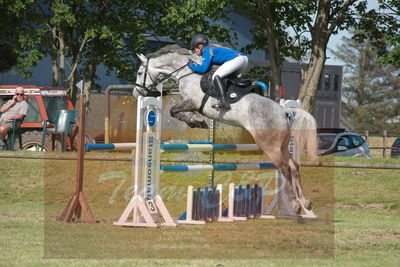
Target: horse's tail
x: 304, y: 131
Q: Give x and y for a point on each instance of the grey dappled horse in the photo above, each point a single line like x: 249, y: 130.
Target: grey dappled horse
x: 262, y: 117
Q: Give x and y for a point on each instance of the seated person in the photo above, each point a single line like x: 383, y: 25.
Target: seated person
x: 14, y: 109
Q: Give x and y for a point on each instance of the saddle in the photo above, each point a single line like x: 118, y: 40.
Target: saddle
x: 235, y: 88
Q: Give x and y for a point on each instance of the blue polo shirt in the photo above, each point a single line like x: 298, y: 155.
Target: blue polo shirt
x: 219, y: 56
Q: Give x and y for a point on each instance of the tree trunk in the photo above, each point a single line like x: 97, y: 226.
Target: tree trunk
x: 54, y: 57
x: 70, y: 84
x: 62, y: 61
x: 90, y: 72
x: 274, y: 52
x: 54, y: 67
x: 72, y: 77
x: 276, y: 79
x: 311, y: 77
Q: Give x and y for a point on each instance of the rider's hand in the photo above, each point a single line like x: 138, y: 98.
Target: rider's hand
x: 190, y: 62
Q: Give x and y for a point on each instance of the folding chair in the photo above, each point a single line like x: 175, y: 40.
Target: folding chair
x: 16, y: 130
x: 63, y: 123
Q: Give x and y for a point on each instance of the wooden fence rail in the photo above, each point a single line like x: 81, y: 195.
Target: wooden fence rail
x: 385, y: 146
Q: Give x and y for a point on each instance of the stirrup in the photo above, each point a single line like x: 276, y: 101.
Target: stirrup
x: 220, y: 105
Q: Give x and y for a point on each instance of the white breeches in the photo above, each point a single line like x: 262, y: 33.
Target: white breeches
x: 238, y: 64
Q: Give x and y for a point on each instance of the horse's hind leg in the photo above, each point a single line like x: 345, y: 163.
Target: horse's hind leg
x: 295, y: 175
x: 269, y: 143
x: 180, y: 111
x: 294, y: 167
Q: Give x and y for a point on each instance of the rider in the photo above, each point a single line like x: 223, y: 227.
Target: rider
x: 230, y: 61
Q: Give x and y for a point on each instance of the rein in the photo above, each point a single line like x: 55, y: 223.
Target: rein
x: 156, y: 82
x: 145, y: 89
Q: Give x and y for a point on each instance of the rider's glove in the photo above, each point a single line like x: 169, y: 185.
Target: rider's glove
x: 190, y: 62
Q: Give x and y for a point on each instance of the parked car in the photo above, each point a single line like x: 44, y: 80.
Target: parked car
x: 338, y: 142
x: 395, y: 151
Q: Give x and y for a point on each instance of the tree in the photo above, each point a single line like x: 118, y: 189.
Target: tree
x: 372, y: 89
x: 271, y: 21
x: 12, y: 14
x: 297, y: 28
x: 382, y: 27
x: 330, y: 17
x: 183, y: 19
x: 81, y: 34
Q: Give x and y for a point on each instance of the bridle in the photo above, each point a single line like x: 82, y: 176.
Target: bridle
x: 143, y: 89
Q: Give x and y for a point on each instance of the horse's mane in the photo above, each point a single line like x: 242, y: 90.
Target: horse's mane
x: 170, y: 49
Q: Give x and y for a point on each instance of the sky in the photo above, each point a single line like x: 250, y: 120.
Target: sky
x: 335, y: 40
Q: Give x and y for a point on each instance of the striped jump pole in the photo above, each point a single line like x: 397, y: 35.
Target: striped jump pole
x: 216, y: 167
x: 115, y: 146
x: 196, y: 146
x: 208, y: 147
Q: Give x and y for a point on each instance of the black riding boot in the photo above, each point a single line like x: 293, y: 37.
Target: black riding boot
x: 222, y: 104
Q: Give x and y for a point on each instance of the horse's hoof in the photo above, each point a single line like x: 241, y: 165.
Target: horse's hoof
x: 192, y: 124
x: 203, y: 125
x: 308, y: 204
x: 197, y: 118
x: 296, y: 206
x: 199, y: 122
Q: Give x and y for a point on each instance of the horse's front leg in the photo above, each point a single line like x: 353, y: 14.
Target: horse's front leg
x: 180, y: 111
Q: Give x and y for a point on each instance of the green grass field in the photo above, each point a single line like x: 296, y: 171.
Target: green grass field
x: 358, y: 224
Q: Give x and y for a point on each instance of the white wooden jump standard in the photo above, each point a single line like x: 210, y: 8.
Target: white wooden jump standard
x: 147, y: 207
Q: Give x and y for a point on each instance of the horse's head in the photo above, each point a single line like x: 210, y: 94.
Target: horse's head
x: 148, y: 74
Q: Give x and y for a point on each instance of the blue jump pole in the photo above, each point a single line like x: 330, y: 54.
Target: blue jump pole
x: 216, y: 167
x: 192, y: 146
x: 208, y: 147
x: 116, y: 146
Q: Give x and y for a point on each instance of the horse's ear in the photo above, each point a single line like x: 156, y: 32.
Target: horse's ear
x: 142, y: 58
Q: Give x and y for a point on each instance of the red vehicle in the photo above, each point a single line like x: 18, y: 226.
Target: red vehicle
x: 44, y: 102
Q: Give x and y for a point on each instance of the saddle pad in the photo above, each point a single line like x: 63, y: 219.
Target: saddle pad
x: 233, y: 93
